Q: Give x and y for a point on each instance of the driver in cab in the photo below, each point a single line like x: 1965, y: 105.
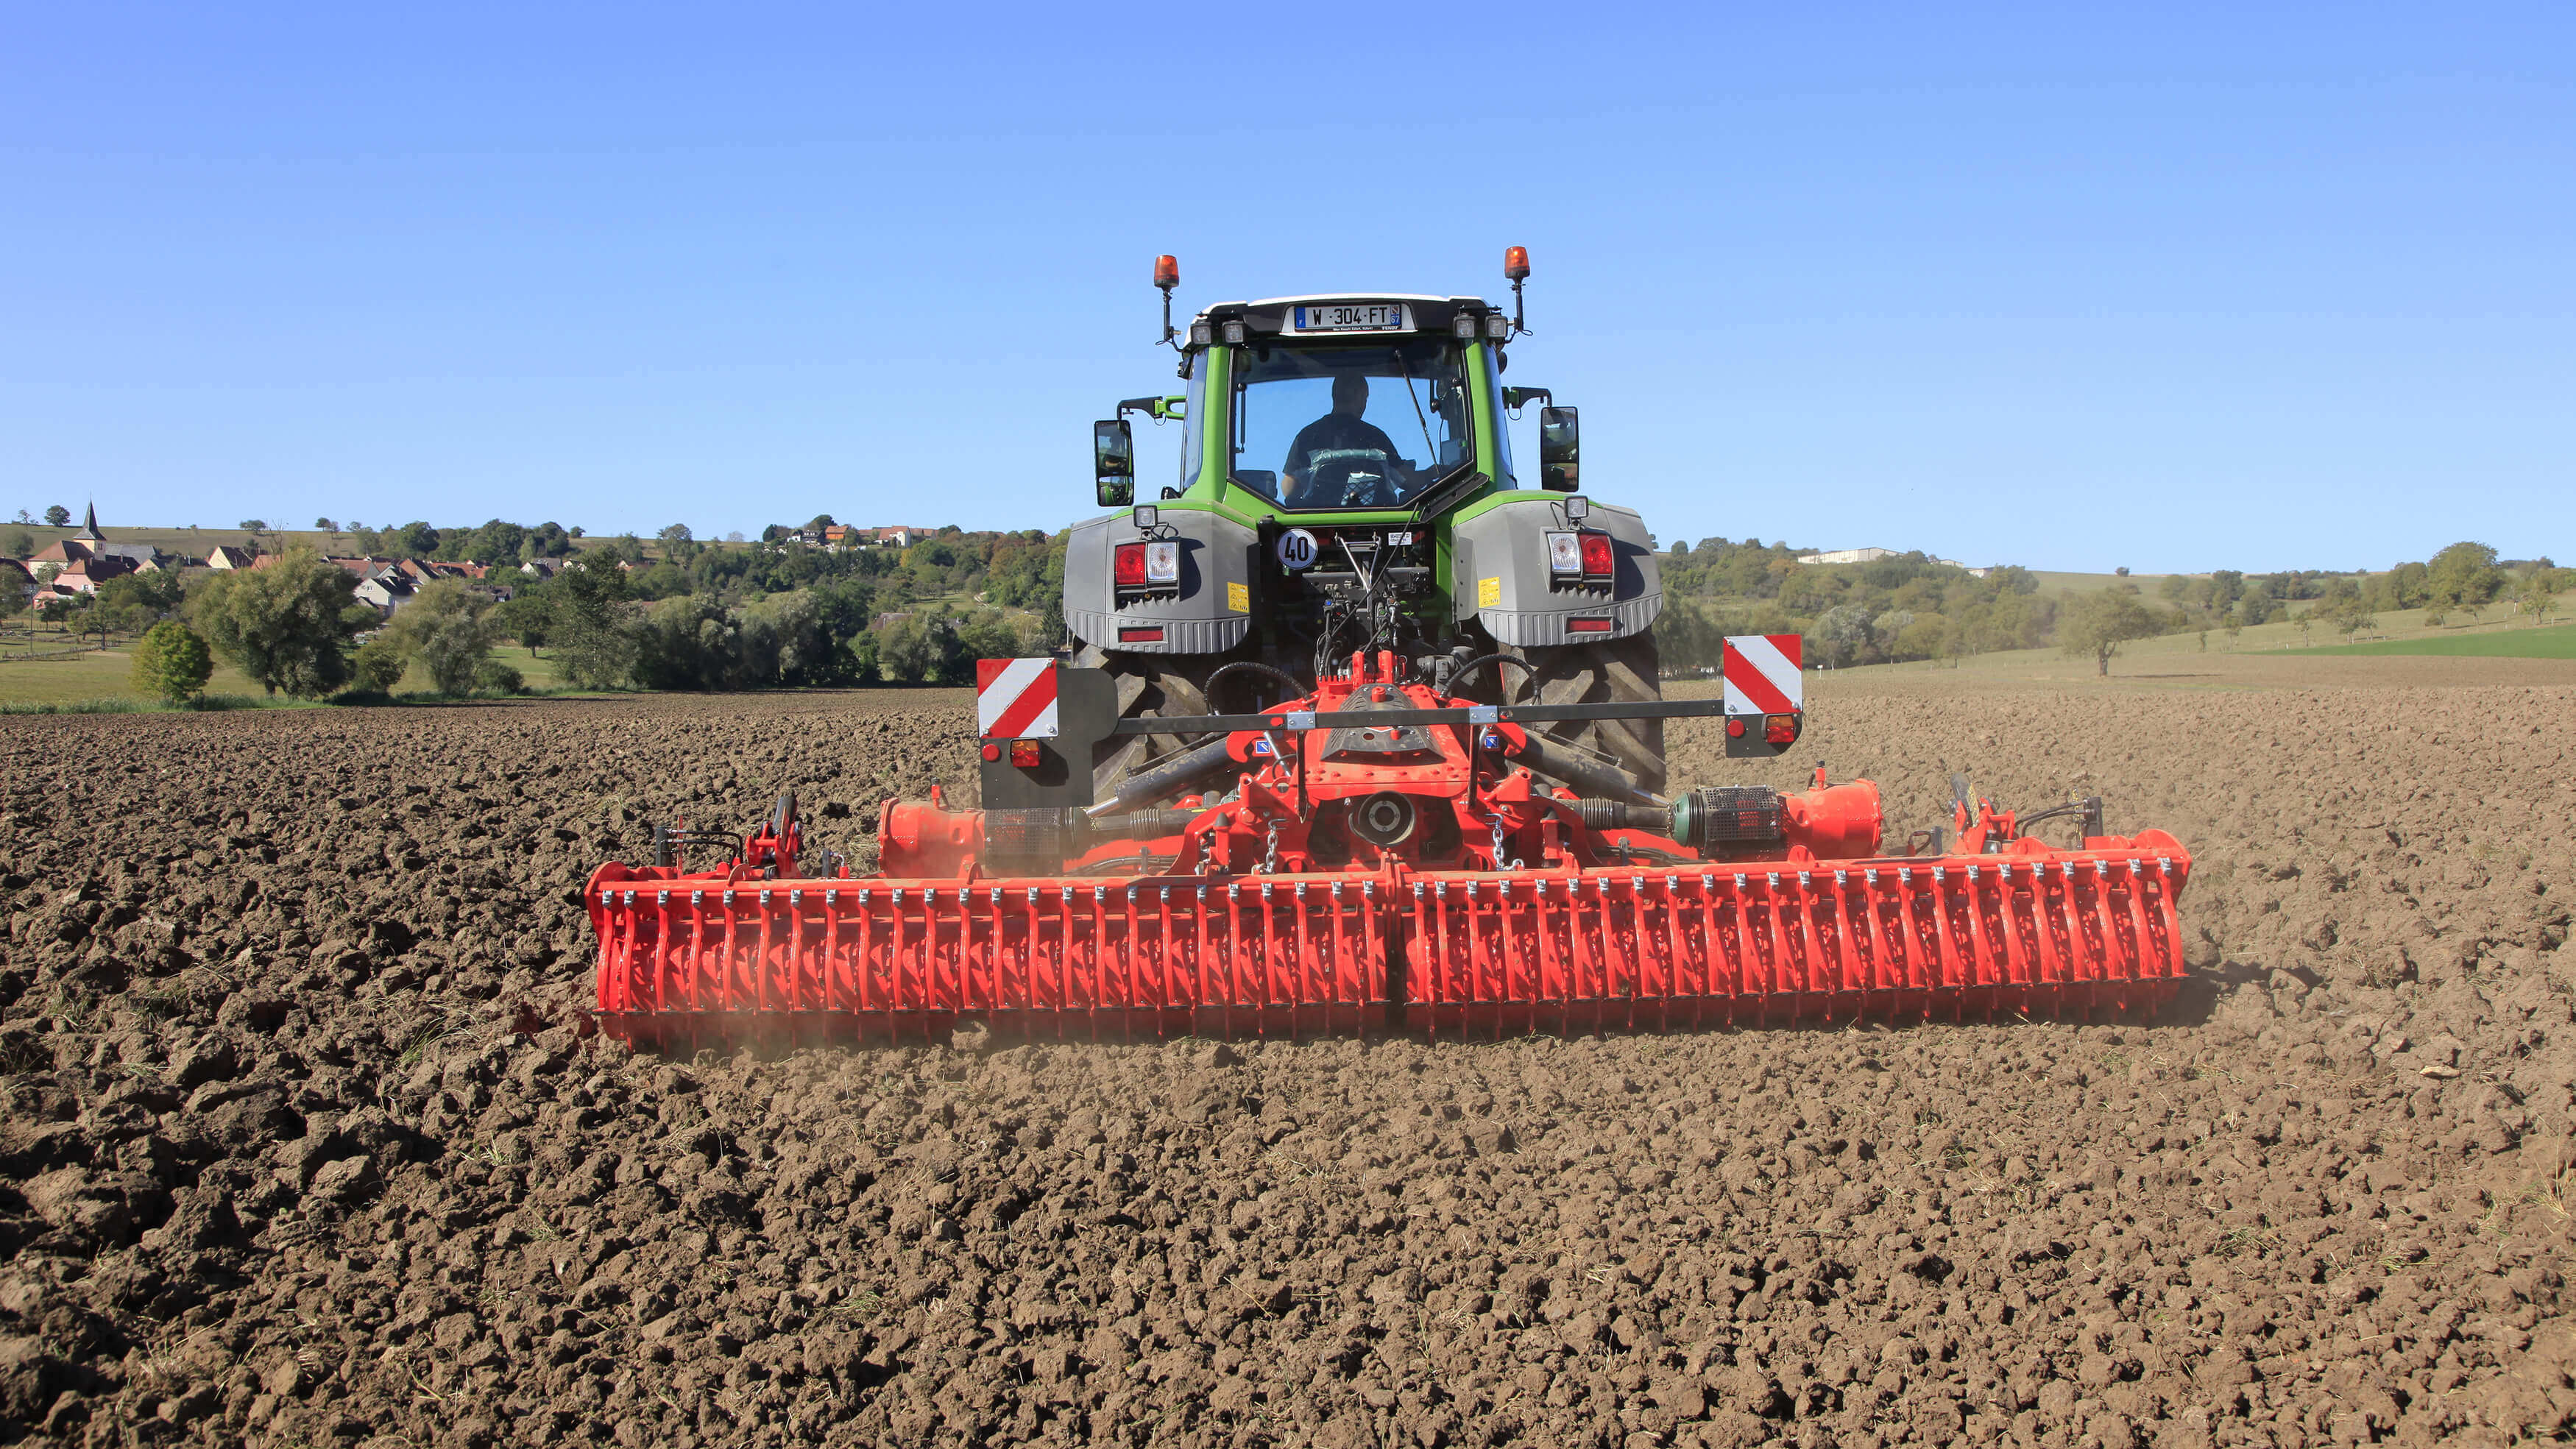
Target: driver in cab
x: 1341, y: 430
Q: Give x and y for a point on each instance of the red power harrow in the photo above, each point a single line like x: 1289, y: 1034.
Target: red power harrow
x: 1378, y: 854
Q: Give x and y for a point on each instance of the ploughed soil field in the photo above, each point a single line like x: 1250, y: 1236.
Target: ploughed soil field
x: 305, y: 1142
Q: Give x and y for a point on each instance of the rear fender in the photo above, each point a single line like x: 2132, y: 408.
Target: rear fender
x: 1500, y: 578
x: 1208, y: 613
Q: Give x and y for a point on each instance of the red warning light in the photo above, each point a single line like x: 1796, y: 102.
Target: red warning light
x: 1167, y: 272
x: 1127, y: 565
x: 1515, y: 264
x: 1598, y: 558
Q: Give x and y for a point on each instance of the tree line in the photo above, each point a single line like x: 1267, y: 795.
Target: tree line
x: 1904, y: 607
x: 1913, y: 607
x: 690, y: 618
x: 681, y: 614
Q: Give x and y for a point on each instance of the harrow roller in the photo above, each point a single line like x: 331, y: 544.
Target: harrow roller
x: 1387, y: 860
x: 1691, y: 947
x: 895, y: 958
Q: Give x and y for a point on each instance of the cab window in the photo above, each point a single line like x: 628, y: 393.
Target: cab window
x: 1349, y: 426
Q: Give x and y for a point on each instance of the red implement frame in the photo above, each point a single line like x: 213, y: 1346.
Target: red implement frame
x: 1481, y: 903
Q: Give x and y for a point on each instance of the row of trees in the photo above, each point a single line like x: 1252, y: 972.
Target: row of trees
x: 682, y: 616
x: 296, y: 627
x: 1905, y: 607
x: 1913, y: 607
x: 496, y: 541
x: 606, y: 632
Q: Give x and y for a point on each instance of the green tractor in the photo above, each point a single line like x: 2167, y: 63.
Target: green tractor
x: 1347, y: 484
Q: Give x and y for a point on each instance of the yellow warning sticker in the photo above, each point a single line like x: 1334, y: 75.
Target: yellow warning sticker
x: 1238, y: 597
x: 1489, y: 593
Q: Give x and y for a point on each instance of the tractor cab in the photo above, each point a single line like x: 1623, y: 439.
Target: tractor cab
x: 1346, y: 403
x: 1363, y: 402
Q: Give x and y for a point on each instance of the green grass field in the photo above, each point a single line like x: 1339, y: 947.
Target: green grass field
x: 106, y: 676
x: 2555, y: 641
x: 2052, y: 581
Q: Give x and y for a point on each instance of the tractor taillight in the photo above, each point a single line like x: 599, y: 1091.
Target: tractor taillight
x: 1128, y: 566
x: 1163, y: 562
x: 1564, y: 553
x: 1779, y: 729
x: 1597, y: 557
x: 1597, y: 624
x: 1024, y: 754
x: 1140, y: 636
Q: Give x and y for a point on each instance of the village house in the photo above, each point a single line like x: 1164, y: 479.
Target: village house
x: 363, y: 569
x: 84, y: 575
x: 103, y: 560
x: 230, y: 556
x: 834, y: 538
x: 385, y: 592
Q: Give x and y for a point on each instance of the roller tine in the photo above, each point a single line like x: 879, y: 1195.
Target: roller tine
x: 760, y: 960
x: 1091, y: 957
x: 1233, y: 951
x: 1305, y: 947
x: 1127, y: 994
x: 1199, y: 909
x: 732, y: 995
x: 2166, y: 917
x: 1812, y: 980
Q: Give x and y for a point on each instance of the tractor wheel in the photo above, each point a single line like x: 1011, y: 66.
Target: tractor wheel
x: 1622, y: 671
x: 1150, y: 686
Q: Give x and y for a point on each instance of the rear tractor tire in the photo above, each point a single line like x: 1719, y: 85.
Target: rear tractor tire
x: 1620, y: 671
x: 1150, y: 686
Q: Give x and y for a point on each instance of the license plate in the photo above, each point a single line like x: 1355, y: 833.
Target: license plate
x: 1351, y: 317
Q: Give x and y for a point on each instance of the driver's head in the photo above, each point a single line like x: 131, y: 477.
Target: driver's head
x: 1350, y: 394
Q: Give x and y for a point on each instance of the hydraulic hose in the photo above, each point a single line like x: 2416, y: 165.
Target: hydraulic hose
x: 1459, y: 675
x: 1175, y: 776
x: 1596, y: 778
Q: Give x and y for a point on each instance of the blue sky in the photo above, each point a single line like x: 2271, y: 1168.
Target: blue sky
x: 2171, y: 288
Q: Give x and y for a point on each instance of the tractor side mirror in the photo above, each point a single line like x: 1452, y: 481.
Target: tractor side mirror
x: 1113, y: 460
x: 1559, y: 450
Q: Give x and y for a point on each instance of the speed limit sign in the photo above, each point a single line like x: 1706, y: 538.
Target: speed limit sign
x: 1297, y: 550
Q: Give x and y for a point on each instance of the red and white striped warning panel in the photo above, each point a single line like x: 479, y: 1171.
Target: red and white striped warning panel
x: 1762, y: 674
x: 1015, y: 699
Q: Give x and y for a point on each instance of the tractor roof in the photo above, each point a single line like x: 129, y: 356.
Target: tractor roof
x: 1430, y: 315
x: 1316, y: 297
